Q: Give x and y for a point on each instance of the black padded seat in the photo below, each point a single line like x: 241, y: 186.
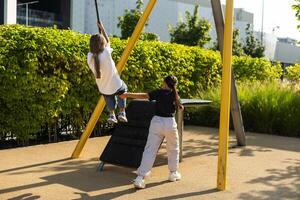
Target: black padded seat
x: 128, y: 140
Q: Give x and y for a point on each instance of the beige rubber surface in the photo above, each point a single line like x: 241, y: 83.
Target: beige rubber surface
x: 267, y: 169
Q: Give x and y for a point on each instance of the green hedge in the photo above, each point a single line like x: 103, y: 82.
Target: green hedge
x: 293, y: 73
x: 45, y: 80
x: 267, y: 107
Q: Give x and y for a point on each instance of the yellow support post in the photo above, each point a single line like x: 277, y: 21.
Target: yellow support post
x: 225, y: 98
x: 120, y: 66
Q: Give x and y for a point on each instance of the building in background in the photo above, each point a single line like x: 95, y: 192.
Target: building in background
x: 287, y: 51
x: 36, y: 12
x: 44, y: 13
x: 165, y: 13
x: 8, y: 11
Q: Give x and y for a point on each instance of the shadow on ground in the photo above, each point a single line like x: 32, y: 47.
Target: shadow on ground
x: 82, y: 174
x: 78, y: 174
x: 274, y: 181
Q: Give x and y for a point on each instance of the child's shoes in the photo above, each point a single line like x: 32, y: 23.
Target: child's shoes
x: 139, y: 182
x: 122, y: 117
x: 174, y: 176
x: 112, y: 119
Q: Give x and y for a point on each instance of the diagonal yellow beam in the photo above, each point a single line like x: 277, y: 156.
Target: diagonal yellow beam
x: 120, y: 66
x: 225, y: 98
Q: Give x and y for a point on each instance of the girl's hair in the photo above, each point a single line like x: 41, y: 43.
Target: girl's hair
x: 171, y: 82
x: 97, y: 43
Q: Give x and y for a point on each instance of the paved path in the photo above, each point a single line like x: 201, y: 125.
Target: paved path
x: 267, y: 169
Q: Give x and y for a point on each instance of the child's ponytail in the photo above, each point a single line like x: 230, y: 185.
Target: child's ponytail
x: 96, y: 47
x: 177, y: 98
x: 172, y: 81
x: 97, y: 65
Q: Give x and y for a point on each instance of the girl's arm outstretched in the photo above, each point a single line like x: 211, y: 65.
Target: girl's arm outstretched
x: 135, y: 95
x: 102, y: 30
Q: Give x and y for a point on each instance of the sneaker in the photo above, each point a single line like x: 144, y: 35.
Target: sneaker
x: 139, y: 182
x: 122, y: 117
x: 112, y: 119
x: 174, y: 176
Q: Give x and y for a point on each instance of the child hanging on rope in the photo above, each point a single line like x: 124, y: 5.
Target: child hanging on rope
x: 109, y: 83
x: 163, y: 125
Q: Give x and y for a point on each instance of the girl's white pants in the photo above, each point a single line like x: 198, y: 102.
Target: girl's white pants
x: 160, y: 128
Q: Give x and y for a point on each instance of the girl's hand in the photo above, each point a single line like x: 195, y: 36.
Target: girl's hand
x: 123, y: 96
x: 181, y: 107
x: 102, y: 31
x: 100, y: 27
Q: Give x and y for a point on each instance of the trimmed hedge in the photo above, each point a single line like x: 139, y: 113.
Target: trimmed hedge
x: 267, y: 107
x: 293, y: 73
x: 45, y: 80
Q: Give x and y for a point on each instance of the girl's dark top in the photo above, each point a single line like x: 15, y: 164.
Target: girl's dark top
x: 165, y: 102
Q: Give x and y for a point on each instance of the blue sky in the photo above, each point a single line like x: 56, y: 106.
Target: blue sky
x: 276, y: 13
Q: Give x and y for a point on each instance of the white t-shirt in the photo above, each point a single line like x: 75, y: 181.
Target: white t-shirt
x: 110, y: 80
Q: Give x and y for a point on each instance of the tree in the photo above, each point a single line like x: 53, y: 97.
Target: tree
x: 193, y: 32
x: 129, y: 20
x: 296, y: 7
x: 237, y: 46
x: 253, y: 47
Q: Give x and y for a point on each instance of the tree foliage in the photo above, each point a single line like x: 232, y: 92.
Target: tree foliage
x: 237, y: 45
x: 293, y: 73
x: 193, y: 32
x: 129, y: 20
x: 296, y: 7
x: 253, y: 47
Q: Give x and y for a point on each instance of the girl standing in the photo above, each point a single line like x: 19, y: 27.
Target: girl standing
x: 109, y: 83
x: 163, y: 125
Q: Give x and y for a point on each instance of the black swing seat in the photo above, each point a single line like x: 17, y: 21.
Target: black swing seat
x: 128, y: 140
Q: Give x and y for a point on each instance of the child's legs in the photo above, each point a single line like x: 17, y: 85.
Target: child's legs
x: 153, y: 142
x: 171, y: 135
x: 110, y: 102
x: 121, y: 104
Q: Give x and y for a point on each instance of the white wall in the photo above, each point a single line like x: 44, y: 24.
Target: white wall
x: 109, y: 11
x: 270, y: 42
x: 78, y: 15
x: 165, y: 13
x: 10, y: 11
x: 287, y: 53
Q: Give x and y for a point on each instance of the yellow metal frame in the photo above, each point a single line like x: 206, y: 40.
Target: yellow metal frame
x: 225, y: 93
x: 225, y: 98
x: 120, y: 66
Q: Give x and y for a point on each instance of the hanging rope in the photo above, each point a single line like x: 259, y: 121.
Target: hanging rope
x: 97, y: 11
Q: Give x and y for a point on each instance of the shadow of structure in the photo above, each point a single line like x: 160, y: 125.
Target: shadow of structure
x: 289, y: 175
x: 112, y: 195
x: 34, y: 165
x: 186, y: 195
x: 26, y: 196
x: 78, y: 174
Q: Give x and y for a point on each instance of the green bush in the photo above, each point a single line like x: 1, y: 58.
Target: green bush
x: 149, y: 36
x: 43, y: 76
x: 45, y: 79
x: 267, y: 107
x: 293, y: 73
x: 255, y: 69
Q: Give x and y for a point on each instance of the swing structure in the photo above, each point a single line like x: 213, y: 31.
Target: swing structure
x: 229, y: 98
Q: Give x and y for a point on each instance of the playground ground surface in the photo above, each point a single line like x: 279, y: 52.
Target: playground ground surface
x: 268, y: 168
